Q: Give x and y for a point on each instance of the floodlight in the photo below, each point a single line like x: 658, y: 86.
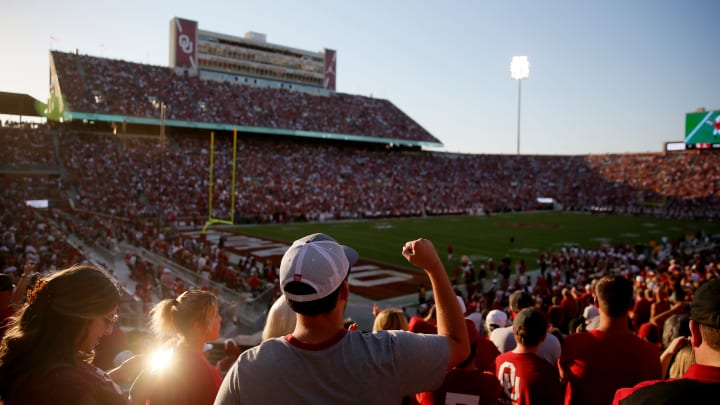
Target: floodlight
x: 519, y: 67
x: 519, y: 70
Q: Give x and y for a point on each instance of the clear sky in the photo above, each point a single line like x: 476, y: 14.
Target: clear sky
x: 606, y: 76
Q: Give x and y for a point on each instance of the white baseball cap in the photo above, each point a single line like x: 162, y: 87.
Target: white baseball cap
x: 496, y: 319
x: 317, y: 261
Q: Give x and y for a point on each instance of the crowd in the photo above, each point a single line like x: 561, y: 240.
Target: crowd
x: 118, y: 188
x: 582, y: 283
x: 115, y: 186
x: 26, y: 147
x: 127, y: 177
x: 98, y: 85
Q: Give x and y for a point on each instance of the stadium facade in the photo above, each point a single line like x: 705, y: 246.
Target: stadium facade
x: 249, y: 60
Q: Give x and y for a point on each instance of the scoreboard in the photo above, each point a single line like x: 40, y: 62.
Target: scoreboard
x: 702, y: 130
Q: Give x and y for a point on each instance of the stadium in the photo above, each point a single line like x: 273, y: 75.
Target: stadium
x: 201, y: 173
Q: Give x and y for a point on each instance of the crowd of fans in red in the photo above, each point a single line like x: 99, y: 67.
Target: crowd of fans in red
x: 113, y: 188
x: 113, y: 184
x: 287, y: 180
x: 98, y: 85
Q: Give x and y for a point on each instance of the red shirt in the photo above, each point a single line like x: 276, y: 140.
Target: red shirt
x: 556, y: 316
x: 419, y: 325
x: 463, y: 387
x: 570, y: 306
x: 597, y: 363
x: 527, y: 378
x: 486, y: 353
x: 192, y: 378
x: 642, y: 312
x: 696, y: 372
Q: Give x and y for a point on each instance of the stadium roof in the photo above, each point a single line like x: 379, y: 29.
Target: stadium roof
x: 21, y: 104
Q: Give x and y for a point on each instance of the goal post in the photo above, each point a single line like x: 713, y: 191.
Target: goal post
x: 211, y: 220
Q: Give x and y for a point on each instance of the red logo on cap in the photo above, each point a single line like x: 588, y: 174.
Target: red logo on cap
x: 297, y: 277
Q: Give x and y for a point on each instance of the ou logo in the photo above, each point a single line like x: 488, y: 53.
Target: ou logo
x: 185, y: 43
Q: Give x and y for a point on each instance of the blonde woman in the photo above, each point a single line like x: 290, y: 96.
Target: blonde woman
x: 280, y: 320
x: 390, y: 319
x: 182, y: 373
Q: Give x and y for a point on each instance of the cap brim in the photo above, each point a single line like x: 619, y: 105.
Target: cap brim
x: 352, y: 255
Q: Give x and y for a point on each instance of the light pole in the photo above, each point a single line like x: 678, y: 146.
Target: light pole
x: 161, y: 105
x: 519, y: 70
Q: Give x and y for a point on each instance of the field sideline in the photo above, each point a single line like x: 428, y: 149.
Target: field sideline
x: 481, y: 237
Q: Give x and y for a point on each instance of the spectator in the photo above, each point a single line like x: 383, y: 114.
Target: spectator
x: 495, y: 319
x: 476, y: 316
x: 579, y: 324
x: 676, y: 360
x: 390, y: 319
x: 570, y: 307
x: 109, y: 347
x: 596, y: 363
x: 321, y: 362
x: 12, y: 296
x: 6, y: 293
x: 484, y: 349
x: 232, y: 351
x: 427, y: 324
x: 185, y: 376
x: 556, y: 313
x: 650, y: 333
x: 701, y: 382
x: 525, y: 377
x: 486, y: 352
x: 590, y: 312
x: 681, y: 358
x: 45, y: 353
x: 641, y: 309
x: 504, y: 338
x: 466, y: 382
x: 280, y: 320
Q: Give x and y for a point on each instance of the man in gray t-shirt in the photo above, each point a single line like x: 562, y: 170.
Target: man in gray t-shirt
x: 504, y: 338
x: 322, y: 362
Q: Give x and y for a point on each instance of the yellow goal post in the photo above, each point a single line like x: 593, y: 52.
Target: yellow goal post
x: 211, y: 220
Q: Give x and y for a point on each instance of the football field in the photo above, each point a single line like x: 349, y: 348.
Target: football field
x: 482, y: 237
x: 382, y: 275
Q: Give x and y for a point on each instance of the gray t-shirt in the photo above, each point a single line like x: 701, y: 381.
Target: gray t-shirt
x: 504, y: 339
x: 359, y: 368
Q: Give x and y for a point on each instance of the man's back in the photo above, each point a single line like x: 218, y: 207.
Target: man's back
x: 526, y: 379
x: 353, y: 368
x: 595, y: 364
x: 697, y: 384
x: 504, y: 340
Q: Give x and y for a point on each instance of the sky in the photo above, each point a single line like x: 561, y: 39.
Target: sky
x: 610, y: 76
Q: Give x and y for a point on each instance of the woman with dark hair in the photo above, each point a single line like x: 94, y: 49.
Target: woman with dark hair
x: 46, y: 352
x: 184, y: 376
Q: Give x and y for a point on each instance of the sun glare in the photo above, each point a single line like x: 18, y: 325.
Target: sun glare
x: 160, y: 359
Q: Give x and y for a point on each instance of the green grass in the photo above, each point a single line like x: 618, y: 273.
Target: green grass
x: 480, y: 237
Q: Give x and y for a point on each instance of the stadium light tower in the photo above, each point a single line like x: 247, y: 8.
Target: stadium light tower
x: 519, y: 70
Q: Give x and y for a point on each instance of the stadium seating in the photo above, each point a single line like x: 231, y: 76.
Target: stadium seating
x: 97, y: 85
x: 279, y: 181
